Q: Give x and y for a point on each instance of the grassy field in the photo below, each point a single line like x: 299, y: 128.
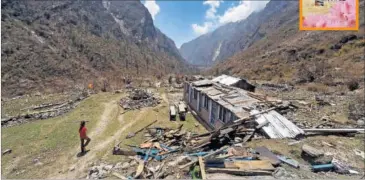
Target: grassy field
x: 19, y: 106
x: 55, y: 142
x: 47, y: 139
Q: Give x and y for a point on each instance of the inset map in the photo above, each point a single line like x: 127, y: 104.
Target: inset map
x: 329, y: 15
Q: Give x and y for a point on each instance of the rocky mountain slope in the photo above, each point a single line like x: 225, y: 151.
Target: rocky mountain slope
x: 59, y: 45
x: 286, y: 54
x: 231, y: 38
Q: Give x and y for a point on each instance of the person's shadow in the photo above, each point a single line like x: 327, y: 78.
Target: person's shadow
x: 80, y: 154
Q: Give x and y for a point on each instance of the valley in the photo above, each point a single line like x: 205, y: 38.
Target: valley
x: 255, y: 98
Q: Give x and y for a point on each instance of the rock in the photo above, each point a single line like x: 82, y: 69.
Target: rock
x: 325, y: 118
x: 279, y: 172
x: 170, y: 177
x: 37, y: 162
x: 196, y: 124
x: 325, y: 159
x: 102, y: 174
x: 311, y: 151
x: 118, y: 165
x: 359, y: 153
x: 238, y: 145
x: 125, y: 165
x: 237, y: 139
x: 133, y: 163
x: 72, y: 168
x: 360, y: 123
x: 340, y: 167
x: 108, y: 167
x: 94, y: 176
x: 353, y: 172
x: 8, y: 151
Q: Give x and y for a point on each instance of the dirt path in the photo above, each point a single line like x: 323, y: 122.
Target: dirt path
x: 80, y: 164
x: 164, y: 97
x: 104, y: 120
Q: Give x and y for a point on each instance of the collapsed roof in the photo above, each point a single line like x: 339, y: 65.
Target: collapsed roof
x: 243, y: 103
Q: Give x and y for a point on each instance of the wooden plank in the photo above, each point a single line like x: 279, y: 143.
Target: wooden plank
x: 202, y: 167
x: 139, y: 169
x: 206, y: 156
x: 250, y: 165
x: 238, y: 171
x: 119, y: 175
x: 134, y: 133
x: 263, y: 151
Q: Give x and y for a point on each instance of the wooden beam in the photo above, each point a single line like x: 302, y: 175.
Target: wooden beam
x: 206, y: 156
x: 202, y: 167
x: 239, y: 171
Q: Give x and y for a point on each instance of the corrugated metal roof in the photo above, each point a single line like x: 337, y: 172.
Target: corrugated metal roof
x: 204, y: 82
x: 234, y: 99
x: 242, y: 104
x: 278, y: 126
x: 226, y: 80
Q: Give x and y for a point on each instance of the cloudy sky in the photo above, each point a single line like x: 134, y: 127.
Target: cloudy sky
x: 185, y: 20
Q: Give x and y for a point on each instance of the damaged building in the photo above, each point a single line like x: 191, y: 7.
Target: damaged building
x: 235, y: 82
x: 216, y: 104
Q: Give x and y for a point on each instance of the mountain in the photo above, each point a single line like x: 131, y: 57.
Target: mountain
x: 52, y: 46
x: 286, y: 54
x: 231, y: 38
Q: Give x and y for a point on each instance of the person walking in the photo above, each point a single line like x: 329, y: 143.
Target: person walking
x: 83, y: 136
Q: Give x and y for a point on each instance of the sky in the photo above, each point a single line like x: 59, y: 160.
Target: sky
x: 184, y: 21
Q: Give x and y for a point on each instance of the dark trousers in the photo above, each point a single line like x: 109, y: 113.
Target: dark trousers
x: 84, y: 144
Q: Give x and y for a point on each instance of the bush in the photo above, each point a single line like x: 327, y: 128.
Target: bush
x: 317, y: 88
x: 353, y: 85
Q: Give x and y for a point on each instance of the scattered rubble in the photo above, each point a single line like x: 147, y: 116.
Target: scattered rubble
x: 276, y: 87
x: 43, y: 111
x: 176, y: 153
x: 139, y: 98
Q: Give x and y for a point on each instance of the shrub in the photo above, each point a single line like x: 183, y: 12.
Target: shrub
x: 317, y: 88
x: 353, y: 85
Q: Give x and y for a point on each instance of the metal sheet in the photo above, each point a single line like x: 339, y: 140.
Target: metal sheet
x: 204, y: 82
x: 278, y: 126
x: 226, y: 80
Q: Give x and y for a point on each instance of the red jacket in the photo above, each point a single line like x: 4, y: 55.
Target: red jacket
x: 83, y: 133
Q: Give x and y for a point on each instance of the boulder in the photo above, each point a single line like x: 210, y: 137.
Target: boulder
x: 311, y: 151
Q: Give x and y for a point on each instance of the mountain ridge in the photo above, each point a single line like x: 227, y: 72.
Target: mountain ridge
x: 231, y: 38
x: 52, y: 46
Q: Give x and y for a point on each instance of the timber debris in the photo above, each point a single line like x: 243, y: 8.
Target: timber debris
x: 139, y: 98
x: 176, y: 153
